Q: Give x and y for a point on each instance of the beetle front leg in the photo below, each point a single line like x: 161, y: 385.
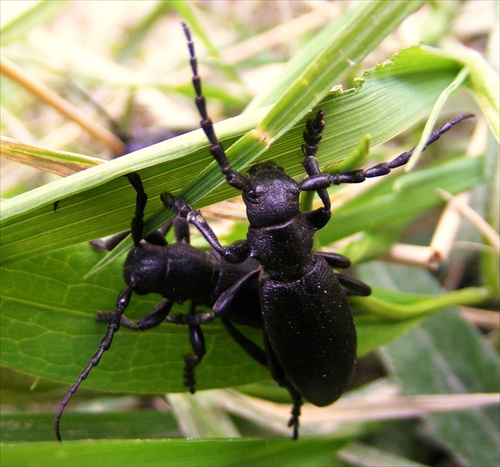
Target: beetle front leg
x: 235, y: 253
x: 312, y: 137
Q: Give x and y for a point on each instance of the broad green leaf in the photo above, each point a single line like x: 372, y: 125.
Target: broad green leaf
x: 444, y: 355
x: 48, y: 330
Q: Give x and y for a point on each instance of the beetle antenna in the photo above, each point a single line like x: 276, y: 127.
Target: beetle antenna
x: 235, y: 179
x: 385, y: 167
x: 121, y: 304
x: 324, y: 180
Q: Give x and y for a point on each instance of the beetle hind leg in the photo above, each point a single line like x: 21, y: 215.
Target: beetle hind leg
x: 294, y: 421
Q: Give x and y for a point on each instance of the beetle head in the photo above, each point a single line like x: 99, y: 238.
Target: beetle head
x: 274, y: 197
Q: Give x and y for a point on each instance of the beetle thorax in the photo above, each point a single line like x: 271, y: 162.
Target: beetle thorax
x: 145, y: 268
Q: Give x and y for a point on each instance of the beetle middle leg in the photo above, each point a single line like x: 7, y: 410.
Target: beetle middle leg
x: 220, y: 307
x: 350, y: 285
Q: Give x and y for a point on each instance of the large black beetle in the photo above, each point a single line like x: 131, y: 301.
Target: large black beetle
x: 309, y: 330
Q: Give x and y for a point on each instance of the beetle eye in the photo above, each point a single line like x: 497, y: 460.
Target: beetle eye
x: 253, y: 196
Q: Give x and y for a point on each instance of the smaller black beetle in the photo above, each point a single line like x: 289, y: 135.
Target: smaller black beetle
x: 179, y: 272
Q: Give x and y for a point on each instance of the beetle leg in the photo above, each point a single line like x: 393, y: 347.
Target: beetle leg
x: 335, y: 260
x: 110, y: 243
x: 319, y: 217
x: 191, y: 361
x: 219, y: 307
x: 279, y: 376
x: 249, y: 346
x: 153, y: 318
x: 353, y: 286
x: 181, y: 229
x: 225, y: 298
x: 155, y: 238
x: 350, y: 285
x: 261, y: 356
x: 297, y: 404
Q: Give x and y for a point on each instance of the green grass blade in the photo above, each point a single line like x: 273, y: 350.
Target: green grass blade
x: 203, y: 452
x: 98, y: 201
x: 57, y: 162
x: 351, y: 43
x: 35, y: 14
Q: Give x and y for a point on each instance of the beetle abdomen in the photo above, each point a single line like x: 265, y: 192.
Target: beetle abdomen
x: 311, y: 330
